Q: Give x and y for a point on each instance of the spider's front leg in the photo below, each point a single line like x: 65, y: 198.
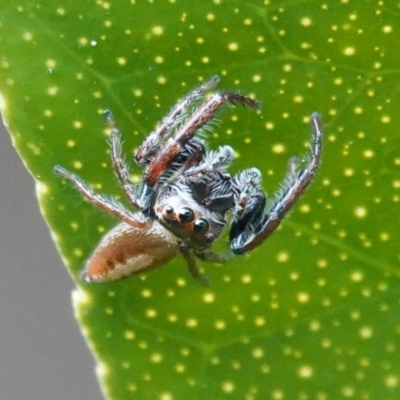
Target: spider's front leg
x: 253, y: 234
x: 201, y: 116
x: 155, y: 139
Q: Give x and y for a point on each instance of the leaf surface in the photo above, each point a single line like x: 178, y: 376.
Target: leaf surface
x: 311, y: 314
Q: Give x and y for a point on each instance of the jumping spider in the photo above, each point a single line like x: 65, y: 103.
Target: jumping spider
x: 186, y: 195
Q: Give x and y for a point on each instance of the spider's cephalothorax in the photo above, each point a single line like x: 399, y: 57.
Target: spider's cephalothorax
x: 187, y: 197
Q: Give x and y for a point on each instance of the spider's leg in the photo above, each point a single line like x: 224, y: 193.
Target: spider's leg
x: 210, y: 256
x: 294, y: 185
x: 106, y: 204
x: 120, y: 167
x: 192, y: 265
x: 154, y: 140
x: 206, y: 111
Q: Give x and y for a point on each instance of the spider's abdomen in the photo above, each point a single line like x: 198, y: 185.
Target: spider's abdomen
x: 128, y: 250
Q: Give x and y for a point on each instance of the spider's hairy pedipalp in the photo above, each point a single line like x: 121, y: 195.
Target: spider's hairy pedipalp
x: 249, y: 204
x: 219, y: 159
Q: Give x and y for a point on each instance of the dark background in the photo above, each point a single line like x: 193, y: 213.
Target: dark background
x: 42, y: 354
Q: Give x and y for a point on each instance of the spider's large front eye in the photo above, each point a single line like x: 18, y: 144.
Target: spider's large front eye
x: 186, y: 215
x: 201, y: 226
x: 169, y: 210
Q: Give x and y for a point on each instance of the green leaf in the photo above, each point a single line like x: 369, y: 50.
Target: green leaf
x: 311, y: 314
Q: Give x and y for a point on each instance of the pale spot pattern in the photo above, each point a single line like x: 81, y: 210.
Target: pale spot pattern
x: 271, y: 315
x: 305, y: 371
x: 278, y: 148
x: 157, y: 30
x: 360, y: 212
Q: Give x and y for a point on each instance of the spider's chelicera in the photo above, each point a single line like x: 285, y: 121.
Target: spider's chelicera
x: 186, y: 196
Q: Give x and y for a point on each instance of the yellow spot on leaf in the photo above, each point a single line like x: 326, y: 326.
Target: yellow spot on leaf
x: 349, y: 51
x: 233, y: 46
x: 157, y: 30
x: 228, y: 387
x: 278, y: 148
x: 209, y: 297
x: 360, y: 212
x: 305, y: 371
x: 306, y: 21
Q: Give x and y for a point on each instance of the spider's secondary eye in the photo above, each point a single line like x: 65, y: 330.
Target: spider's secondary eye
x: 186, y: 215
x: 169, y: 210
x: 201, y: 226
